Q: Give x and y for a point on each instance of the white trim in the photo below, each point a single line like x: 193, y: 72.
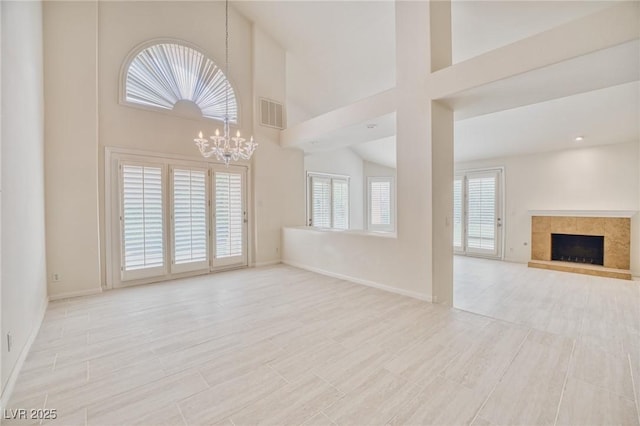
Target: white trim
x: 13, y: 376
x: 72, y: 294
x: 584, y: 213
x: 379, y: 286
x: 266, y: 263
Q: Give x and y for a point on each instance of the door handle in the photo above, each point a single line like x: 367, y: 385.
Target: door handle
x: 499, y: 222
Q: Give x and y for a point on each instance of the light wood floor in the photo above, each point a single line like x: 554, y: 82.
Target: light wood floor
x: 283, y: 346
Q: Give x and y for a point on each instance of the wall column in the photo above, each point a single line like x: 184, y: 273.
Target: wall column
x: 424, y: 146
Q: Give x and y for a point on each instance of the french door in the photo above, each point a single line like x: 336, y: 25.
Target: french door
x: 180, y: 217
x: 477, y: 213
x: 229, y: 217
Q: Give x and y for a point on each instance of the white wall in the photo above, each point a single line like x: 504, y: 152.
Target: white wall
x: 348, y: 163
x: 370, y: 169
x: 87, y: 43
x: 592, y: 178
x: 71, y: 150
x: 24, y: 292
x: 276, y: 171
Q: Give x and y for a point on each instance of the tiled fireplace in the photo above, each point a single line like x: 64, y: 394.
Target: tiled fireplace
x: 588, y: 245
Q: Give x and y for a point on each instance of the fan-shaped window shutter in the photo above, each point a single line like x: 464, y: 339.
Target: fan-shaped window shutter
x: 190, y: 229
x: 142, y: 221
x: 163, y: 74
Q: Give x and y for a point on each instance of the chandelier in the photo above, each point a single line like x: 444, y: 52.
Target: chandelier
x: 224, y: 147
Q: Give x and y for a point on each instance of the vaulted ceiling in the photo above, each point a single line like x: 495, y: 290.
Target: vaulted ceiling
x: 342, y: 51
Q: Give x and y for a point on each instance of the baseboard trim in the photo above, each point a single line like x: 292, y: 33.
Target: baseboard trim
x: 267, y: 263
x: 13, y: 376
x: 379, y: 286
x: 72, y: 294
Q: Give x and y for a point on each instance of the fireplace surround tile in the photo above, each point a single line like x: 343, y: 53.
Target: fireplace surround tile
x: 541, y: 224
x: 617, y: 228
x: 590, y: 226
x: 563, y: 225
x: 541, y: 246
x: 616, y: 253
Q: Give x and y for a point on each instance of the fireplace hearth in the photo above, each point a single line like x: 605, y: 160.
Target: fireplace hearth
x: 588, y: 249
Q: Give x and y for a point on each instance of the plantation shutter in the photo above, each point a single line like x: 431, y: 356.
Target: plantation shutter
x: 142, y: 221
x: 190, y: 230
x: 320, y: 202
x: 380, y: 204
x: 229, y: 214
x: 457, y: 213
x: 340, y: 203
x: 481, y: 216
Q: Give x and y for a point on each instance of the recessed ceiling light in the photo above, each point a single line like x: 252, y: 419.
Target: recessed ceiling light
x: 372, y: 126
x: 579, y: 138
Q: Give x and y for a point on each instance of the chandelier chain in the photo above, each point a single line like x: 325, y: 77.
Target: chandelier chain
x: 226, y: 59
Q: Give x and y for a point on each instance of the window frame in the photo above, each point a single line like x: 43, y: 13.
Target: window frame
x: 332, y: 177
x: 392, y: 214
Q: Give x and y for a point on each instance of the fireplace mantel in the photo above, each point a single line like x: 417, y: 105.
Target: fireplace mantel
x: 584, y: 213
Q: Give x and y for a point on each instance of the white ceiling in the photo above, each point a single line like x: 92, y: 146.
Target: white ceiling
x: 342, y: 51
x: 604, y: 116
x: 480, y: 26
x: 338, y: 51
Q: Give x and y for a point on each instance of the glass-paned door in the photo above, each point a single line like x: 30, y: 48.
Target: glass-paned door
x: 229, y: 217
x: 189, y: 219
x: 477, y: 207
x: 141, y: 220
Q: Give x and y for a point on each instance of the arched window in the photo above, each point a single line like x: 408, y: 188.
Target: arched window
x: 174, y: 76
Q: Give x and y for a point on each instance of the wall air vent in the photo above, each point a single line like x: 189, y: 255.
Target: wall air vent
x: 271, y: 113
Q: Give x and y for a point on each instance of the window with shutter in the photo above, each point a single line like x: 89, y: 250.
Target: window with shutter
x: 340, y: 205
x: 380, y: 203
x: 320, y: 202
x: 458, y: 227
x: 190, y: 229
x: 229, y: 214
x: 142, y: 221
x: 328, y: 201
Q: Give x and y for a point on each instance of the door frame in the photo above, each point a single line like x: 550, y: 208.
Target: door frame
x: 230, y: 263
x: 500, y: 211
x: 110, y: 263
